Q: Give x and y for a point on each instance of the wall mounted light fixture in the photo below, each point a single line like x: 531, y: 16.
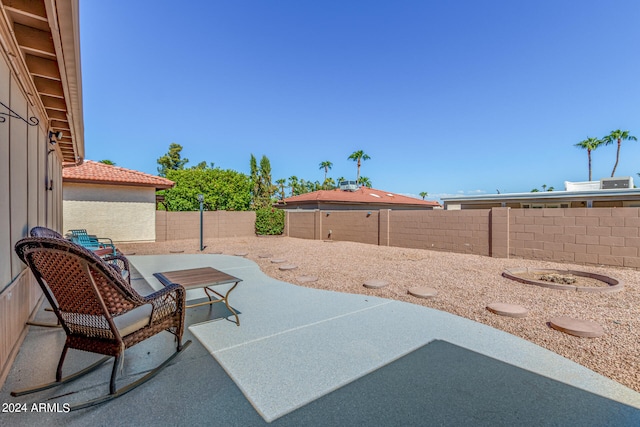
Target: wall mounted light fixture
x: 54, y: 137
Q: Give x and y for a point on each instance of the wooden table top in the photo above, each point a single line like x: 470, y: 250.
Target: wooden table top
x: 196, y: 277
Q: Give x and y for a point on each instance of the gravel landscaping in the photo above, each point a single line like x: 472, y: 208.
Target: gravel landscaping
x: 465, y: 285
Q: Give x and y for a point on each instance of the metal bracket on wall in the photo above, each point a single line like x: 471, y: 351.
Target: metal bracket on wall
x: 33, y: 121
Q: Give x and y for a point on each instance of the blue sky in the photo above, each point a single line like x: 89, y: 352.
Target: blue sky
x: 448, y: 97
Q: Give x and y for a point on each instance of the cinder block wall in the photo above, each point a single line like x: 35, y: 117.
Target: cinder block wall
x: 607, y: 236
x: 455, y: 231
x: 301, y: 225
x: 352, y: 226
x: 216, y: 224
x: 458, y: 231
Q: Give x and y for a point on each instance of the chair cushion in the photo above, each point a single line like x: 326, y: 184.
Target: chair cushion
x: 133, y: 320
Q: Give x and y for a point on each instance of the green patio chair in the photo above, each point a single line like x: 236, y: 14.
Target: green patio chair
x: 93, y: 243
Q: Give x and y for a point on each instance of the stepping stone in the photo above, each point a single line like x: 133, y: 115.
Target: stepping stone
x: 278, y: 261
x: 577, y: 327
x: 509, y: 310
x: 176, y: 252
x: 375, y: 284
x: 422, y: 292
x: 307, y: 279
x: 242, y: 254
x: 265, y: 256
x: 288, y: 267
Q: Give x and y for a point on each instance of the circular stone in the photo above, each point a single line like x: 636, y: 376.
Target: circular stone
x: 242, y: 254
x: 288, y: 267
x: 278, y: 261
x: 509, y: 310
x: 307, y: 279
x: 577, y: 327
x: 423, y: 292
x: 375, y: 284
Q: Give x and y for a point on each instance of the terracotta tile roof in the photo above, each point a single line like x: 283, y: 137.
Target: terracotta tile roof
x: 96, y: 172
x: 362, y: 195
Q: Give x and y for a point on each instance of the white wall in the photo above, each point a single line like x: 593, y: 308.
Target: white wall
x: 121, y: 213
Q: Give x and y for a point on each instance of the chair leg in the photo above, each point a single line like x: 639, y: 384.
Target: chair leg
x: 59, y: 370
x: 133, y: 385
x: 65, y: 380
x: 114, y: 373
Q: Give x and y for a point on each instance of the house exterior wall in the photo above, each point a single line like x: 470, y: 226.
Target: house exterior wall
x: 119, y: 212
x: 25, y: 201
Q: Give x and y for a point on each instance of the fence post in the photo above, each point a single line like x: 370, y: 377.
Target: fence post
x: 499, y: 232
x: 383, y: 227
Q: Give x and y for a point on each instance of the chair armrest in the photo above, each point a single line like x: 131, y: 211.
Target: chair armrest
x: 121, y: 263
x: 167, y: 301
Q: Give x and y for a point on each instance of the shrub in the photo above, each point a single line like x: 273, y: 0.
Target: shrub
x: 269, y: 221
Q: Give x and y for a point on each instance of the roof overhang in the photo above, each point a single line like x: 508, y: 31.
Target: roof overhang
x: 548, y: 195
x: 42, y: 41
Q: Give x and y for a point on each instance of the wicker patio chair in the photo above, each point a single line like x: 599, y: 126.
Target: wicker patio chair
x: 45, y: 232
x: 98, y: 309
x: 117, y: 261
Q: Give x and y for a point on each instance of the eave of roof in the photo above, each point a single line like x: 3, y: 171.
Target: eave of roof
x: 91, y: 172
x: 362, y: 196
x: 42, y: 40
x: 586, y: 194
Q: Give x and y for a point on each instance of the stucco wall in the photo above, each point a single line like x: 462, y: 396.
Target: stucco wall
x: 121, y: 213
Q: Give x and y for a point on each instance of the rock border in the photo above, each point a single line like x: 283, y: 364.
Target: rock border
x: 614, y: 284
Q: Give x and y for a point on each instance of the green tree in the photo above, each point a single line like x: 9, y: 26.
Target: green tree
x: 293, y: 185
x: 329, y: 184
x: 107, y: 162
x: 281, y: 184
x: 365, y: 181
x: 358, y: 157
x: 589, y: 144
x: 326, y: 165
x: 172, y: 160
x: 222, y: 189
x: 254, y: 176
x: 423, y: 194
x: 618, y: 136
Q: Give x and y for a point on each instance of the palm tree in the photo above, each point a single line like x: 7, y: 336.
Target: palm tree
x: 281, y: 182
x: 293, y: 184
x: 366, y: 182
x: 618, y: 136
x: 326, y: 165
x: 358, y: 157
x: 423, y: 194
x: 589, y: 144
